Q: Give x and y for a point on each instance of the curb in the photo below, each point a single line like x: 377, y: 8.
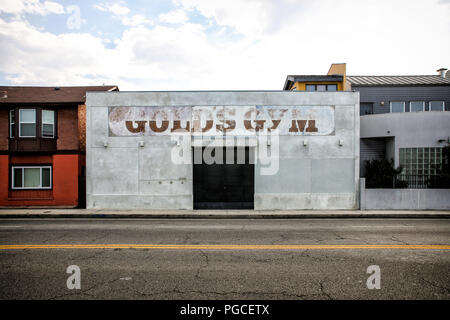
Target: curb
x: 226, y: 216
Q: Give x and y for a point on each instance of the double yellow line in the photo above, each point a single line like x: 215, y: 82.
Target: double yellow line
x: 223, y: 247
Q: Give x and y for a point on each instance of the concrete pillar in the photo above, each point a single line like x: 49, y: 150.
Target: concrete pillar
x: 362, y: 194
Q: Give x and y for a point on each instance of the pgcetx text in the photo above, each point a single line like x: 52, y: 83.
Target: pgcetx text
x: 236, y: 309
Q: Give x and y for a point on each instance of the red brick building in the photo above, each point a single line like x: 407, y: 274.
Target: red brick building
x: 43, y: 145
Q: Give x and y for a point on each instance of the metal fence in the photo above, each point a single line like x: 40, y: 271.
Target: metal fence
x: 419, y: 182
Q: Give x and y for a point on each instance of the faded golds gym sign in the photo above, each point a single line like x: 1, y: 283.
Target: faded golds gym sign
x: 221, y: 120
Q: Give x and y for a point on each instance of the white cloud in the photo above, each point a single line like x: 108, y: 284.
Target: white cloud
x: 115, y: 8
x: 252, y: 18
x: 174, y: 16
x: 136, y: 20
x: 121, y: 12
x: 31, y: 6
x: 373, y: 37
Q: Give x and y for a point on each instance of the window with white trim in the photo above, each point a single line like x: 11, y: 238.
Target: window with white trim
x: 48, y: 123
x: 397, y: 106
x: 12, y: 123
x: 417, y: 106
x: 31, y: 177
x: 436, y: 106
x: 27, y: 123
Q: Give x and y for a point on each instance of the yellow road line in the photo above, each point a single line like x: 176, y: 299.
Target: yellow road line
x: 221, y: 247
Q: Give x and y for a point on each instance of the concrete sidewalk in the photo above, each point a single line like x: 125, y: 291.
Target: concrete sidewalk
x: 216, y: 214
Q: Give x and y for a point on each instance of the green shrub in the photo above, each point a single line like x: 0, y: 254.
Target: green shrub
x: 381, y: 173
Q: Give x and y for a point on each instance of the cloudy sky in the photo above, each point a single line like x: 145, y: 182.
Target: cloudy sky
x: 216, y: 44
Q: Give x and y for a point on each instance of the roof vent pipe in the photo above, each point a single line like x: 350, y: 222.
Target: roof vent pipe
x: 442, y: 72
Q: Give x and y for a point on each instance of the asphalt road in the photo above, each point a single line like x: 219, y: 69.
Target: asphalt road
x: 281, y: 259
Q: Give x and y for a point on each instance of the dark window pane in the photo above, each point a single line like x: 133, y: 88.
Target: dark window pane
x: 331, y: 87
x: 365, y: 108
x: 310, y: 87
x: 46, y: 177
x: 17, y: 183
x: 47, y: 130
x: 397, y: 106
x: 12, y: 122
x: 27, y: 129
x: 436, y: 106
x: 416, y: 106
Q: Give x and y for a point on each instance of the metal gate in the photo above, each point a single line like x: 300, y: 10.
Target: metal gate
x: 225, y: 186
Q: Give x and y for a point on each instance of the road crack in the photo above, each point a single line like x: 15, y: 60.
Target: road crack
x: 323, y: 291
x: 435, y: 285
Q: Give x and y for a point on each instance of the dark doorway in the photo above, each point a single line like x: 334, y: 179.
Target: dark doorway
x: 225, y: 186
x: 82, y: 188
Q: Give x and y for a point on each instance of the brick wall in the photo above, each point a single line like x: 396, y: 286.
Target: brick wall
x: 4, y: 128
x: 82, y: 126
x: 68, y: 128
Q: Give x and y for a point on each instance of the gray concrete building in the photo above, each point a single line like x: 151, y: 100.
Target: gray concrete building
x: 404, y: 118
x: 222, y: 150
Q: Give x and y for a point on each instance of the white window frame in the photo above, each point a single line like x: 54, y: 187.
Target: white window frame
x: 423, y: 106
x: 42, y: 124
x: 429, y: 105
x: 11, y: 123
x: 35, y: 124
x: 390, y: 106
x: 23, y: 177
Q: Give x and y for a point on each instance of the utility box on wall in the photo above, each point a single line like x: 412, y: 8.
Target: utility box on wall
x: 269, y: 150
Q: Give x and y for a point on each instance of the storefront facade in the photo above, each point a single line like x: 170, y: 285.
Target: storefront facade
x: 263, y: 150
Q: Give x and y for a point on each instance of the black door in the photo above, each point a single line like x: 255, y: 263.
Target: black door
x: 224, y: 186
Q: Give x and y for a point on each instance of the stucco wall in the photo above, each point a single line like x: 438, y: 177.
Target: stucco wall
x: 410, y: 129
x: 321, y: 174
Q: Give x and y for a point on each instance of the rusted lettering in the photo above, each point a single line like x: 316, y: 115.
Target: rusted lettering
x: 155, y: 128
x: 258, y: 127
x: 298, y: 126
x: 197, y: 127
x: 311, y: 126
x: 231, y: 125
x: 140, y: 126
x: 301, y: 125
x: 177, y: 126
x: 275, y: 124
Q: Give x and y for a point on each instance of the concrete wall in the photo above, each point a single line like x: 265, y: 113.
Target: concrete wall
x: 404, y: 199
x: 408, y: 130
x: 319, y: 175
